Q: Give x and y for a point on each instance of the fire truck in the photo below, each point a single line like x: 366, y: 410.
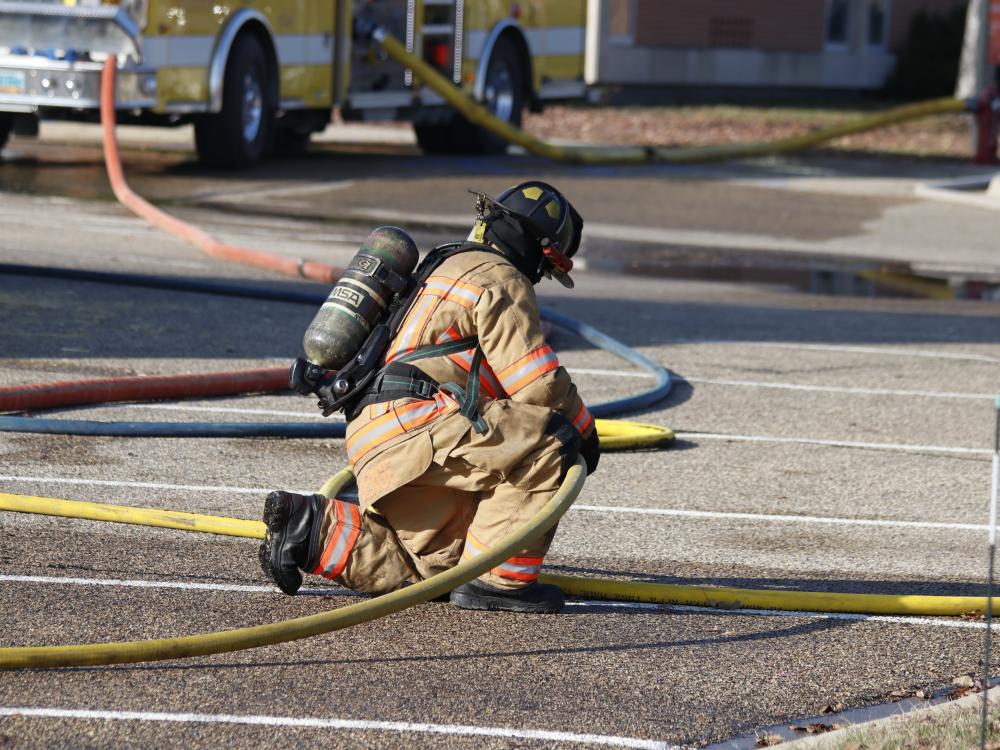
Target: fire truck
x: 256, y: 77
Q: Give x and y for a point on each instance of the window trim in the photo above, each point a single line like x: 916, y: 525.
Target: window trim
x: 886, y: 16
x: 846, y: 44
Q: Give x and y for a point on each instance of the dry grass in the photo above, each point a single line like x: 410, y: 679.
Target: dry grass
x: 949, y: 732
x: 947, y: 136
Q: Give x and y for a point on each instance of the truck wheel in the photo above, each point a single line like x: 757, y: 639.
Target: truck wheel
x: 437, y: 138
x: 240, y: 135
x: 6, y: 125
x: 503, y: 97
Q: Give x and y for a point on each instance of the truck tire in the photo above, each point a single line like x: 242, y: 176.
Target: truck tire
x: 6, y: 125
x: 503, y: 96
x: 435, y: 138
x: 241, y: 134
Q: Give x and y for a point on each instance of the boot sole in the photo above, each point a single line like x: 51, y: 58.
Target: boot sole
x: 463, y: 600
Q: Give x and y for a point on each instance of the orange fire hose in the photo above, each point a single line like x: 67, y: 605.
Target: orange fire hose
x: 142, y: 387
x: 308, y: 269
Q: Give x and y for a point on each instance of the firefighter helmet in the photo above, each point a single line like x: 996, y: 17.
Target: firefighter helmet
x: 535, y: 224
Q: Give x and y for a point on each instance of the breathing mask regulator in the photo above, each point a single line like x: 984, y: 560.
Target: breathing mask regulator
x: 352, y: 329
x: 535, y: 228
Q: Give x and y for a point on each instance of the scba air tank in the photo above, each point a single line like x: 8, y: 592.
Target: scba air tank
x: 361, y: 298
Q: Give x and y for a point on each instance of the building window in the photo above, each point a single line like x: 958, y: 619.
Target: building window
x: 622, y: 13
x: 876, y: 22
x: 838, y: 23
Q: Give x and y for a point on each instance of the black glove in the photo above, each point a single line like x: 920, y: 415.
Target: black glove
x: 590, y: 449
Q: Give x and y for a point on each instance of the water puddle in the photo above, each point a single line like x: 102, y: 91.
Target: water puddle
x: 808, y: 275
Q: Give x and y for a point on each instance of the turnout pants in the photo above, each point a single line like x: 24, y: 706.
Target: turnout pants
x: 462, y: 504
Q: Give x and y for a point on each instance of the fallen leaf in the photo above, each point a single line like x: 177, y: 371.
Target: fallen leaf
x: 973, y: 615
x: 832, y: 708
x: 959, y: 692
x: 769, y: 740
x: 815, y: 728
x: 923, y: 694
x: 899, y: 694
x: 837, y: 725
x: 963, y: 680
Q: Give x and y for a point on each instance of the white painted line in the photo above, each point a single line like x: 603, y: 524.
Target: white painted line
x: 678, y: 513
x: 673, y: 512
x: 360, y: 725
x: 183, y: 585
x: 925, y: 353
x: 899, y: 447
x: 842, y: 389
x: 590, y: 604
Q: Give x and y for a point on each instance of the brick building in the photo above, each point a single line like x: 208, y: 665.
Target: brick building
x: 769, y: 43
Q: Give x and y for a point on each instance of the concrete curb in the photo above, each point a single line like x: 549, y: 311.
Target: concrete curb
x: 965, y: 191
x: 829, y: 739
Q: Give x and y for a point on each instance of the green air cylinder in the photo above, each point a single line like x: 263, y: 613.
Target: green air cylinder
x: 361, y: 298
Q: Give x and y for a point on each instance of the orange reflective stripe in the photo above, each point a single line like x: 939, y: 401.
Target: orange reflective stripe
x: 583, y: 419
x: 400, y: 420
x: 528, y: 369
x: 343, y: 537
x: 515, y: 568
x: 453, y: 290
x: 410, y: 332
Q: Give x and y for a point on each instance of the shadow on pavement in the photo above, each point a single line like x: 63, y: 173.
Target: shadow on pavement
x: 48, y: 318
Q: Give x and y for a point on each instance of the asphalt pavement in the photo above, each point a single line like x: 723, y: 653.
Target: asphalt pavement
x: 825, y: 442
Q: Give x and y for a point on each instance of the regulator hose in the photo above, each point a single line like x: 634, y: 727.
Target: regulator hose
x: 589, y: 588
x: 479, y: 115
x: 91, y: 654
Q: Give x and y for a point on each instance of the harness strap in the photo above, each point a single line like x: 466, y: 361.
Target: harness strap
x: 439, y: 350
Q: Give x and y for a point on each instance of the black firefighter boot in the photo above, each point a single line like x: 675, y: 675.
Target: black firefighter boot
x: 538, y: 598
x: 291, y: 541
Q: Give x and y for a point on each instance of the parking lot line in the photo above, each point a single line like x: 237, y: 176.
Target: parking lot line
x: 778, y: 518
x: 842, y: 389
x: 362, y: 725
x: 898, y: 447
x: 671, y: 512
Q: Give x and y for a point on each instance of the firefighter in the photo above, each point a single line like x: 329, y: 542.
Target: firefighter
x: 445, y: 471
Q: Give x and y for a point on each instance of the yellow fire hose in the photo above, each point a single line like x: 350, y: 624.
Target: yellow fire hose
x: 589, y: 588
x: 479, y: 115
x: 89, y: 654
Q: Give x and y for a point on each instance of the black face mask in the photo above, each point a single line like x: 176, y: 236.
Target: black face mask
x: 519, y: 246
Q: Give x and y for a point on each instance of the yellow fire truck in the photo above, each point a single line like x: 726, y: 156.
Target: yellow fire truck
x: 254, y: 76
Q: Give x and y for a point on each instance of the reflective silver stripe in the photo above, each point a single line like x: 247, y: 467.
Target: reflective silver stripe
x: 451, y: 288
x: 344, y: 534
x: 395, y: 425
x: 177, y: 51
x: 523, y: 371
x: 195, y: 51
x: 515, y: 568
x: 409, y: 333
x: 304, y: 49
x: 556, y: 40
